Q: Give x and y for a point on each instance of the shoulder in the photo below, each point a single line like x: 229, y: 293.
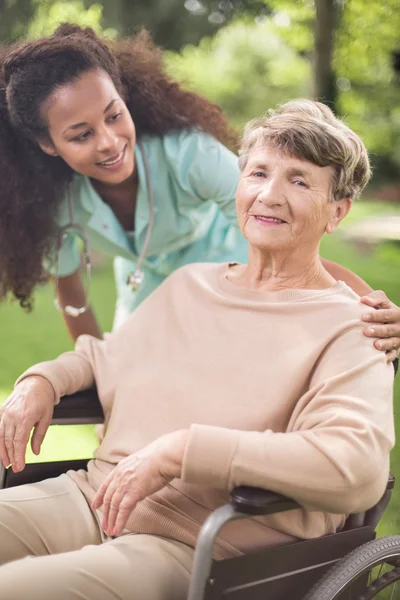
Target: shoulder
x: 336, y: 313
x: 195, y: 273
x: 345, y: 302
x: 338, y: 326
x: 189, y: 282
x: 187, y: 146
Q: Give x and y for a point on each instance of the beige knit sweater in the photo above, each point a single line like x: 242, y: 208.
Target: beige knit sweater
x: 280, y: 390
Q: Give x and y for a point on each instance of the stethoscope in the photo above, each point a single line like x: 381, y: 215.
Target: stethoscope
x: 134, y: 280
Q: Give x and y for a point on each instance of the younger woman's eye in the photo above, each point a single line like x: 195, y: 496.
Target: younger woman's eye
x: 115, y: 117
x: 83, y: 137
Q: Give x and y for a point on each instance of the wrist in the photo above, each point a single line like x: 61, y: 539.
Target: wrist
x: 175, y: 452
x: 38, y: 383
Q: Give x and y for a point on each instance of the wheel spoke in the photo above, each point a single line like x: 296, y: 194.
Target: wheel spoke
x: 391, y: 595
x: 380, y: 570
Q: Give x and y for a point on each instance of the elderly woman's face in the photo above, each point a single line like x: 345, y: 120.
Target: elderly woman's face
x: 283, y: 202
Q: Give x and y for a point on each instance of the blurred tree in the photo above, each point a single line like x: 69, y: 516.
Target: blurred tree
x: 15, y: 18
x: 310, y: 26
x: 326, y: 23
x: 353, y: 46
x: 175, y: 23
x: 49, y: 14
x: 246, y: 68
x: 367, y: 90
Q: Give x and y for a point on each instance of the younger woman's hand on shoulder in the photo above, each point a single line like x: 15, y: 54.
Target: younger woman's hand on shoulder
x: 383, y: 323
x: 30, y: 406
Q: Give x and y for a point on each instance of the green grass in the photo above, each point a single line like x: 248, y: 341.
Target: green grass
x: 26, y: 339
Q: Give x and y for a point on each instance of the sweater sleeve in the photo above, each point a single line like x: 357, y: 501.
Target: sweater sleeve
x: 71, y: 371
x: 334, y: 455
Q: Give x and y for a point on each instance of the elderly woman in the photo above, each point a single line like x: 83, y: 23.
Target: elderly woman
x: 202, y: 391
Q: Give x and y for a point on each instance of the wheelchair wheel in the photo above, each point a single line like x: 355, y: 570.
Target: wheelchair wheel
x: 370, y: 571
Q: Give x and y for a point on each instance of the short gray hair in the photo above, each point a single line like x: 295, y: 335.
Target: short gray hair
x: 308, y: 130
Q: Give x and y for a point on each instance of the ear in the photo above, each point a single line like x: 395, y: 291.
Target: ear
x: 48, y: 148
x: 340, y: 210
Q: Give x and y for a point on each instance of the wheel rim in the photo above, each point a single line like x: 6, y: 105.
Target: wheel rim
x: 384, y: 586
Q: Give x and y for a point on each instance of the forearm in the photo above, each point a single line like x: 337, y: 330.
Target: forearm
x: 358, y: 285
x: 69, y: 373
x: 291, y: 464
x: 84, y: 324
x: 73, y: 371
x: 335, y: 454
x: 71, y: 292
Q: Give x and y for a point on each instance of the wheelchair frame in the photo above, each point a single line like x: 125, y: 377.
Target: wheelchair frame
x: 277, y: 573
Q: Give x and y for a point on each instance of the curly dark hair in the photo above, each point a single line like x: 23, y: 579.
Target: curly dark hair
x: 33, y: 184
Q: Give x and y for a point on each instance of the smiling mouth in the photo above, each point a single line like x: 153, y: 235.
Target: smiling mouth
x: 269, y: 219
x: 114, y: 160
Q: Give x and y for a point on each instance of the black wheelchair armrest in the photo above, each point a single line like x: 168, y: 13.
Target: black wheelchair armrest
x: 245, y: 502
x: 78, y: 409
x: 256, y: 501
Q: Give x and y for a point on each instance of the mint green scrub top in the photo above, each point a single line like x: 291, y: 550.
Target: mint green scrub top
x: 194, y: 180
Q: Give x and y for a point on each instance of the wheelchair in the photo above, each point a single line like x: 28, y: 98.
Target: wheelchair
x: 349, y: 565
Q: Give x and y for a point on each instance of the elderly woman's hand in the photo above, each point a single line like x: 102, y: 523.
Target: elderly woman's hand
x: 138, y: 476
x: 30, y: 406
x: 384, y: 323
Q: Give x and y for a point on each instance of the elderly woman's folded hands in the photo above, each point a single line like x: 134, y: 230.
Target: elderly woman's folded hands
x: 30, y: 406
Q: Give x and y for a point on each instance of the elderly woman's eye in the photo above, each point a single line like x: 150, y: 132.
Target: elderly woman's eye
x: 300, y: 183
x: 259, y: 174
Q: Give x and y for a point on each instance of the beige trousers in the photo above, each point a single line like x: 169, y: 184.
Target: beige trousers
x: 52, y: 547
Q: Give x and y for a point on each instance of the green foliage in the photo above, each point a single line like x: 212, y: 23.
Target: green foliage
x: 246, y: 68
x: 49, y: 15
x: 294, y: 22
x: 367, y: 35
x: 15, y: 16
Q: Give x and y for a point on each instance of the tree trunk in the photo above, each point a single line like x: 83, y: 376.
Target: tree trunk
x: 327, y: 17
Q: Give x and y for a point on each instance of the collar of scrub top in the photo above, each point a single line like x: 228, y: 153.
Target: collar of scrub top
x: 134, y: 280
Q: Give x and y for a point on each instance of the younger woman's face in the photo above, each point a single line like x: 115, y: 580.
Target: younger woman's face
x: 91, y: 128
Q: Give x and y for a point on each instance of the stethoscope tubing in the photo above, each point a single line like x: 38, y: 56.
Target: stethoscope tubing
x: 138, y: 274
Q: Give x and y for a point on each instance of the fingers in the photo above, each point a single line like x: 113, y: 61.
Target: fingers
x: 376, y: 298
x: 388, y: 345
x: 392, y: 355
x: 117, y: 503
x: 9, y: 432
x: 113, y: 511
x: 382, y: 315
x: 125, y: 509
x: 98, y: 499
x: 5, y: 459
x: 39, y: 435
x: 116, y: 510
x: 116, y: 507
x: 20, y: 442
x: 107, y: 505
x: 389, y: 331
x: 13, y: 442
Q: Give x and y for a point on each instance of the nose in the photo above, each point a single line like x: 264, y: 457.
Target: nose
x: 106, y: 141
x: 271, y: 193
